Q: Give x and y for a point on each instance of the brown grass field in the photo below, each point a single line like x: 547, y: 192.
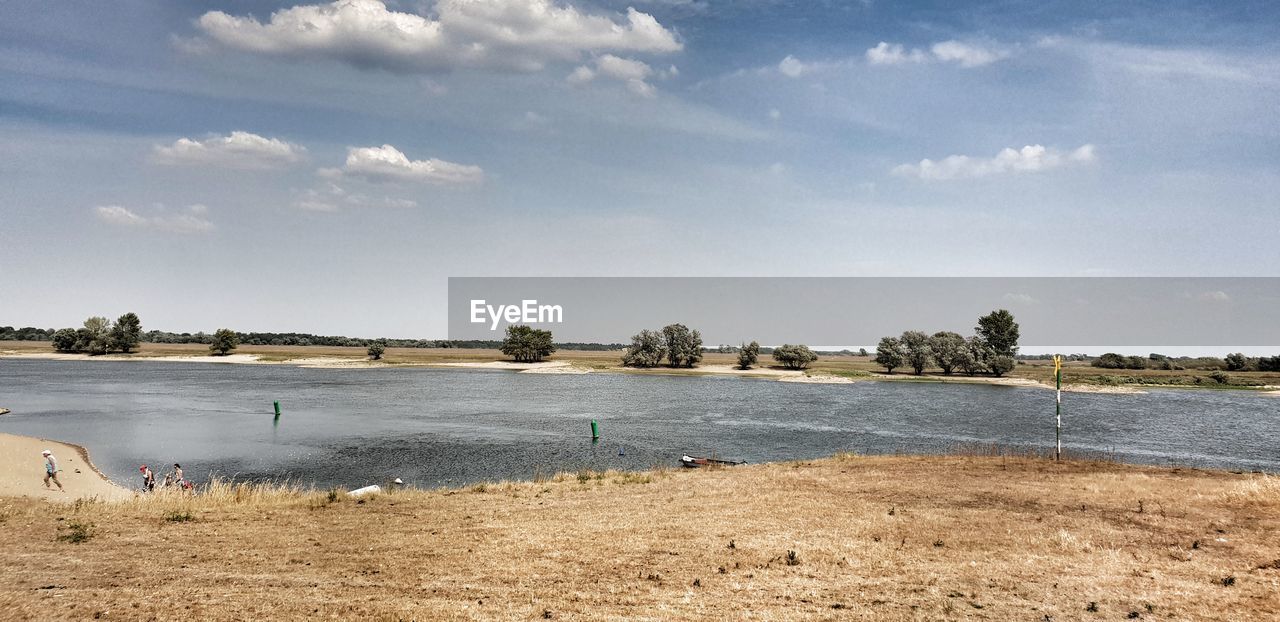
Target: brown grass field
x: 846, y: 538
x: 856, y: 367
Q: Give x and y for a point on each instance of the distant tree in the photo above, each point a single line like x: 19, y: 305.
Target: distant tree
x: 65, y: 340
x: 526, y: 344
x: 376, y: 349
x: 916, y: 346
x: 1000, y: 332
x: 794, y: 357
x: 949, y: 350
x: 1236, y: 362
x: 890, y: 354
x: 748, y: 355
x: 224, y: 340
x: 684, y: 346
x: 126, y: 333
x: 646, y: 350
x: 1000, y: 364
x: 975, y: 357
x: 97, y: 335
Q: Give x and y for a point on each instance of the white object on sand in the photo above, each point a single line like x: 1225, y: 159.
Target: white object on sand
x: 367, y: 490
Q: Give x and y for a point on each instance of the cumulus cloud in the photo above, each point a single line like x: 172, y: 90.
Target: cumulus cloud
x: 629, y: 71
x: 189, y: 220
x: 1029, y: 159
x: 504, y: 34
x: 243, y: 150
x: 386, y: 163
x: 966, y: 55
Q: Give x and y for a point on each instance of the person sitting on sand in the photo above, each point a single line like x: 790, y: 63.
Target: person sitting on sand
x: 148, y: 479
x: 50, y: 469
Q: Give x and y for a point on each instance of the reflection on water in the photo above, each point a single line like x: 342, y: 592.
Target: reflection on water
x: 432, y: 427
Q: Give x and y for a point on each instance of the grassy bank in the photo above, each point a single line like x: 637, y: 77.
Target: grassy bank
x: 897, y: 538
x: 852, y: 367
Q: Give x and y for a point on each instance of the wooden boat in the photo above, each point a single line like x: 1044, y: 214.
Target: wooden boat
x: 694, y: 462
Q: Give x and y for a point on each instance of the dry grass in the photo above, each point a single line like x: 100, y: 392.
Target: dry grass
x: 898, y: 538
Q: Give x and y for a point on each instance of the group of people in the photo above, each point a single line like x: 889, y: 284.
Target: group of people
x: 171, y: 479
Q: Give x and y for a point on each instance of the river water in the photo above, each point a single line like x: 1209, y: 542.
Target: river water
x: 449, y: 427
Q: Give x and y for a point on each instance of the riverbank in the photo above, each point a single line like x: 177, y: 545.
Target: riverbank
x: 893, y: 538
x: 22, y: 472
x: 828, y: 369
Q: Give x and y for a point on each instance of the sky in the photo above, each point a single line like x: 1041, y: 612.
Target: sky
x: 326, y: 167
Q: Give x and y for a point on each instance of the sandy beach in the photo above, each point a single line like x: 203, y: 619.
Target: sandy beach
x: 22, y: 471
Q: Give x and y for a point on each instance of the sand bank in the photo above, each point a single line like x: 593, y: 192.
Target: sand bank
x: 22, y: 471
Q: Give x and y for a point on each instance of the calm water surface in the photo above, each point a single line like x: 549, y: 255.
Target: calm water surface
x: 432, y: 427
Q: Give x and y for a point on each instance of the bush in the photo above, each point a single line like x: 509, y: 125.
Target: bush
x: 794, y: 357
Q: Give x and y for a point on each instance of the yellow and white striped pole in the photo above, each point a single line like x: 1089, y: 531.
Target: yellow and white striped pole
x: 1057, y: 432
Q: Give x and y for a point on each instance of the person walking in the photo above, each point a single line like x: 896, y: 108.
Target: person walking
x: 148, y: 479
x: 51, y: 470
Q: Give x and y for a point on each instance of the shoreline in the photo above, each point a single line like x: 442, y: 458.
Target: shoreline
x: 575, y: 367
x: 20, y: 471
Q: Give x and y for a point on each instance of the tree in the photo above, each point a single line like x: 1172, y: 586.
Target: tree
x: 127, y: 333
x: 684, y: 347
x: 890, y: 354
x: 526, y: 344
x: 65, y: 340
x: 916, y: 346
x: 949, y: 350
x: 975, y: 357
x: 1001, y: 364
x: 646, y: 350
x: 1000, y: 332
x: 376, y: 349
x: 748, y: 355
x: 224, y: 341
x: 1236, y: 361
x: 794, y: 357
x: 97, y: 335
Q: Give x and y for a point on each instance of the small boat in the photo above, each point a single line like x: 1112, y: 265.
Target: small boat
x: 694, y: 462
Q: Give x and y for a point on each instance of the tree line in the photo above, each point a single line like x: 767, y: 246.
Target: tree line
x: 991, y: 349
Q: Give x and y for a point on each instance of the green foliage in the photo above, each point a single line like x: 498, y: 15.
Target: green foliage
x: 646, y: 350
x: 949, y: 350
x: 1000, y: 364
x: 1236, y: 362
x: 1000, y: 332
x: 890, y: 354
x: 526, y: 344
x: 376, y: 349
x: 224, y: 341
x: 794, y: 357
x: 684, y: 347
x: 915, y: 345
x: 65, y: 340
x: 126, y: 333
x: 97, y: 335
x: 748, y: 355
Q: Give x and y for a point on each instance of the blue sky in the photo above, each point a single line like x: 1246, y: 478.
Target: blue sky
x: 325, y: 167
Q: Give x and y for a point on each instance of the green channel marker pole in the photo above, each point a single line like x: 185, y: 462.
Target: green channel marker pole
x: 277, y: 409
x: 595, y: 430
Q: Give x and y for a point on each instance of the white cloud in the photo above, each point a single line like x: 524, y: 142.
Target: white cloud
x: 886, y: 53
x: 966, y: 55
x: 386, y: 163
x: 504, y: 34
x: 1029, y: 159
x: 791, y: 67
x: 189, y: 220
x: 629, y: 71
x: 242, y: 150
